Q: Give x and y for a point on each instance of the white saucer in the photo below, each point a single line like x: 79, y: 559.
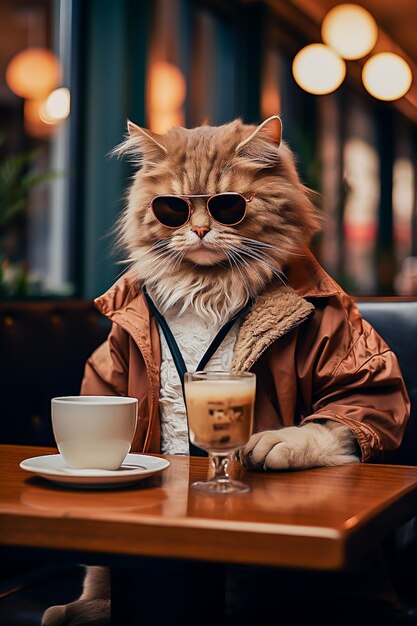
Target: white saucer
x: 135, y: 467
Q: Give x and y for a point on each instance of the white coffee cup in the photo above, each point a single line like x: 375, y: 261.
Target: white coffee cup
x: 94, y: 432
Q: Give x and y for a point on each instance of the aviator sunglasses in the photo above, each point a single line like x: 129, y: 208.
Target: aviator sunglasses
x: 227, y: 208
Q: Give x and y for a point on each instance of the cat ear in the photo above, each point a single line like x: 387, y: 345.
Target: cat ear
x: 142, y: 146
x: 261, y: 147
x: 146, y: 137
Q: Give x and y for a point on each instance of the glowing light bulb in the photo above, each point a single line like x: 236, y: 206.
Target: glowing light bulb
x: 350, y: 30
x: 318, y: 69
x: 387, y: 76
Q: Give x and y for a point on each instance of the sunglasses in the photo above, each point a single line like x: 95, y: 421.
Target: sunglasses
x: 228, y: 208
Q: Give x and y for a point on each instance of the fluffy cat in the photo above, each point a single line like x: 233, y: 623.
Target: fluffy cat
x: 217, y: 274
x: 216, y: 268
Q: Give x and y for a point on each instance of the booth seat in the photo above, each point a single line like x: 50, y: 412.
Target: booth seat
x: 396, y: 321
x: 43, y: 347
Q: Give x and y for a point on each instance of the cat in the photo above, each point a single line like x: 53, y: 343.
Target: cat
x: 201, y: 273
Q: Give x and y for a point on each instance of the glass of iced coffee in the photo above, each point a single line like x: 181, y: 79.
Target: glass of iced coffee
x: 220, y: 419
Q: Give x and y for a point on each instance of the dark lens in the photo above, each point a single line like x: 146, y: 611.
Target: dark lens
x: 170, y: 211
x: 227, y: 208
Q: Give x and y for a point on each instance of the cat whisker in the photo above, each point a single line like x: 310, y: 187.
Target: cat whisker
x: 259, y: 256
x: 255, y: 243
x: 125, y: 261
x: 178, y: 258
x: 125, y: 269
x: 244, y: 262
x: 257, y: 248
x: 229, y: 258
x: 258, y: 251
x: 160, y: 244
x: 232, y: 259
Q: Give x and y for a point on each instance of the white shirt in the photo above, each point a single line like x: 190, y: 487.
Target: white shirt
x: 193, y: 336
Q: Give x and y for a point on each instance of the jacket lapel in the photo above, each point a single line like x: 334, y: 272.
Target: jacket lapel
x: 274, y: 314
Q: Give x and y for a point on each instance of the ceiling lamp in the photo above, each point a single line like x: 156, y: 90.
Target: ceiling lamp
x: 318, y: 69
x: 387, y: 76
x: 350, y: 30
x: 33, y: 73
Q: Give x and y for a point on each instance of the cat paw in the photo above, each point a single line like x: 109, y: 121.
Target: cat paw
x: 54, y: 616
x: 88, y: 612
x: 312, y: 445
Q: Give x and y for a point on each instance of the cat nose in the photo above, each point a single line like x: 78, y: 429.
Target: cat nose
x: 201, y: 231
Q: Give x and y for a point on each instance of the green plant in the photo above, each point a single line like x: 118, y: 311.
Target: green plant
x: 16, y: 182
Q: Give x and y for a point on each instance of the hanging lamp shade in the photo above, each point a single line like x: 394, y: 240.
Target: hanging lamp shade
x: 318, y: 69
x: 33, y: 73
x: 387, y: 76
x: 350, y: 30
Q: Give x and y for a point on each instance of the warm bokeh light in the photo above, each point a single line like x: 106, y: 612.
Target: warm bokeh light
x: 34, y: 125
x: 166, y: 95
x: 350, y: 30
x: 56, y: 107
x: 33, y: 73
x: 161, y: 122
x: 361, y: 175
x: 403, y: 201
x: 166, y: 87
x: 387, y: 76
x: 318, y: 69
x: 270, y: 102
x: 271, y: 84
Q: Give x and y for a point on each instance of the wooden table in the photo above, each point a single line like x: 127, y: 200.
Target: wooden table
x: 323, y: 519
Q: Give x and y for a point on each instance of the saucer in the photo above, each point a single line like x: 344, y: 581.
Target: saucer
x: 135, y: 467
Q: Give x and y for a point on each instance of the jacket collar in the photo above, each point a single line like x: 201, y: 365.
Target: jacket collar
x: 281, y: 308
x: 306, y: 276
x: 276, y: 311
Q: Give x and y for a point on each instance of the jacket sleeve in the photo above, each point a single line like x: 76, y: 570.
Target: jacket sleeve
x: 105, y: 372
x: 357, y: 380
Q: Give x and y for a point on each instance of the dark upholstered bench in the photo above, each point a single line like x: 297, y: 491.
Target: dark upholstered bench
x: 396, y: 321
x: 43, y: 348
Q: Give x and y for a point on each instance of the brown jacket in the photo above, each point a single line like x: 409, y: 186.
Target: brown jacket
x: 314, y: 356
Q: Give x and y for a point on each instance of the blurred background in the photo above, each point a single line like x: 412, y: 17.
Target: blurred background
x: 72, y: 71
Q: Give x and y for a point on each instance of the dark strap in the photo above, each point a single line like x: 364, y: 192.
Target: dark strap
x: 172, y: 344
x: 221, y: 335
x: 176, y: 353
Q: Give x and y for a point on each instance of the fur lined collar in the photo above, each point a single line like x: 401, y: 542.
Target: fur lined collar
x: 275, y: 312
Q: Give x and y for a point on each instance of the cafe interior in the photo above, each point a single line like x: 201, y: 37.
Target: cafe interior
x: 343, y: 80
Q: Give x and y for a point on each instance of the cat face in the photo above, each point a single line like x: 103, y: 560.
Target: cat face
x: 250, y: 160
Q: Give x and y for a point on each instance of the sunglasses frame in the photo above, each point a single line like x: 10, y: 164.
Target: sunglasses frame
x: 186, y: 198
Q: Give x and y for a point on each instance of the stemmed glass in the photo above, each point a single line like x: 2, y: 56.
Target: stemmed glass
x: 220, y: 418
